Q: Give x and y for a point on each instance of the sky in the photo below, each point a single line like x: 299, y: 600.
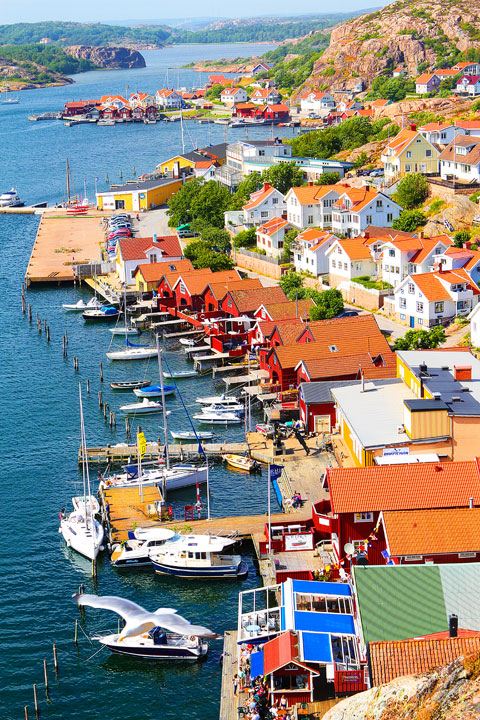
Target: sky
x: 95, y: 11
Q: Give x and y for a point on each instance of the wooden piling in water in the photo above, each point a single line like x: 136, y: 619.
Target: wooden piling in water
x: 55, y: 659
x: 26, y: 712
x: 47, y: 330
x: 66, y: 337
x: 35, y: 698
x: 76, y: 632
x: 88, y: 386
x: 105, y: 408
x: 100, y: 399
x: 45, y: 674
x: 101, y: 372
x: 29, y: 313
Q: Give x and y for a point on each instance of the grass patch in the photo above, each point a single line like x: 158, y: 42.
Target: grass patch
x: 366, y: 281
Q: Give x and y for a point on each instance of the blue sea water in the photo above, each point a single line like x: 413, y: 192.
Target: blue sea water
x: 39, y: 434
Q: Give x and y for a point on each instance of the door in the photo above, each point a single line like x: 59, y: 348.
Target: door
x: 321, y: 424
x: 412, y: 322
x: 119, y: 204
x: 322, y: 689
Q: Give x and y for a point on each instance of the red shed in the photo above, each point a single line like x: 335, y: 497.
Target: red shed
x: 317, y: 406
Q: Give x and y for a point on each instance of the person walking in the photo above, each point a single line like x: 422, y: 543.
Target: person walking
x: 235, y: 685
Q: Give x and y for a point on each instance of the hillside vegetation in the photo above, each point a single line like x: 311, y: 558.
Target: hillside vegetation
x: 420, y: 35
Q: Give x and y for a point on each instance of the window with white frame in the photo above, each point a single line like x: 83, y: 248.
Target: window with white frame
x: 419, y: 307
x: 439, y: 306
x: 363, y: 517
x: 391, y: 252
x: 403, y: 302
x: 369, y: 220
x: 409, y: 154
x: 264, y: 214
x: 411, y: 288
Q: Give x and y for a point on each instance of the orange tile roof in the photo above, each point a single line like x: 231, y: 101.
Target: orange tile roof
x: 422, y: 247
x: 288, y: 329
x: 393, y: 659
x: 152, y: 272
x: 459, y: 275
x: 430, y: 286
x: 250, y: 300
x: 436, y: 126
x: 468, y: 124
x: 355, y: 248
x: 307, y: 194
x: 381, y: 102
x: 359, y: 197
x: 172, y: 277
x: 355, y: 364
x: 204, y: 163
x: 272, y: 226
x: 219, y: 290
x: 472, y: 257
x: 196, y: 284
x: 399, y: 143
x: 446, y: 72
x: 287, y: 310
x: 423, y: 79
x: 135, y: 248
x: 316, y: 238
x: 352, y: 336
x: 404, y: 487
x: 258, y: 197
x: 432, y: 532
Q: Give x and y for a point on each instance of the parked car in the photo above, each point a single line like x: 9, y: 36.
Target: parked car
x: 348, y: 313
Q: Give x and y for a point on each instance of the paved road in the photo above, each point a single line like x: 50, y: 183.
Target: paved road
x: 154, y: 222
x: 395, y: 328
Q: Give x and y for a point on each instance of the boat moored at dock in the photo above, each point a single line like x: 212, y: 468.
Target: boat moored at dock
x: 134, y: 552
x: 151, y: 391
x: 128, y: 385
x: 156, y: 645
x: 174, y: 478
x: 142, y: 408
x: 103, y: 314
x: 199, y: 556
x: 240, y: 462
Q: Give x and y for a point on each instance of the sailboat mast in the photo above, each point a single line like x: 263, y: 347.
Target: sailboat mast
x: 164, y: 409
x: 68, y: 182
x: 125, y: 311
x: 86, y: 475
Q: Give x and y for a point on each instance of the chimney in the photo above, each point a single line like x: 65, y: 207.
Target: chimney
x: 154, y: 237
x: 470, y: 504
x: 468, y: 244
x: 266, y: 186
x: 176, y: 169
x: 462, y: 372
x: 366, y: 235
x: 413, y: 126
x: 453, y: 626
x: 310, y: 183
x: 421, y: 235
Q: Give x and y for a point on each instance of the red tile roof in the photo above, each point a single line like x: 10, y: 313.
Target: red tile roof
x: 219, y: 290
x: 433, y: 532
x: 272, y: 226
x: 393, y: 659
x: 258, y: 197
x: 432, y: 284
x: 197, y: 283
x: 152, y: 272
x: 288, y: 310
x: 250, y: 300
x: 288, y: 329
x: 404, y: 487
x: 135, y: 248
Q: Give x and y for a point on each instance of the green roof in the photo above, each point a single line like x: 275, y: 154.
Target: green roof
x: 398, y: 602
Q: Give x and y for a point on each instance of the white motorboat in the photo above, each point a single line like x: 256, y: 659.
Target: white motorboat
x: 80, y: 530
x: 156, y: 645
x: 144, y: 407
x: 220, y: 408
x: 214, y: 417
x: 174, y: 478
x: 10, y: 199
x: 198, y: 556
x: 188, y: 342
x: 132, y: 353
x: 106, y: 122
x: 151, y: 391
x: 191, y: 436
x: 101, y: 314
x: 125, y: 385
x: 134, y: 552
x: 88, y: 503
x: 180, y: 374
x: 217, y: 399
x: 81, y: 305
x: 124, y: 331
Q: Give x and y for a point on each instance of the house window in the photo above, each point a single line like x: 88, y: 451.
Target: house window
x: 345, y: 266
x: 132, y: 274
x: 428, y: 153
x: 261, y: 152
x: 419, y: 307
x: 439, y: 307
x: 363, y: 517
x: 172, y: 268
x: 229, y: 302
x: 407, y: 168
x: 389, y: 217
x: 369, y: 220
x: 411, y: 288
x: 391, y: 252
x: 274, y: 201
x: 264, y: 213
x: 334, y: 264
x: 409, y: 153
x: 310, y: 220
x: 403, y: 303
x: 182, y: 288
x: 402, y: 317
x: 379, y: 204
x: 153, y: 258
x: 333, y: 348
x: 420, y: 321
x: 339, y: 250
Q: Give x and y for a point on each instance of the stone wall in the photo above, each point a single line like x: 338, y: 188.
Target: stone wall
x: 259, y: 264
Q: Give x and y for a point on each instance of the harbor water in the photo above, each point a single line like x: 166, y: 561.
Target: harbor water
x: 40, y: 435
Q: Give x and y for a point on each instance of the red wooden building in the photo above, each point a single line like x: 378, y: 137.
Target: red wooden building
x: 285, y: 310
x: 216, y: 291
x: 358, y: 496
x: 317, y: 405
x: 275, y: 112
x: 275, y: 332
x: 246, y: 302
x: 190, y: 289
x: 244, y: 110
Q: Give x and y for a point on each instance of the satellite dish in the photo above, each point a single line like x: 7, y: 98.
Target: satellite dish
x: 349, y: 548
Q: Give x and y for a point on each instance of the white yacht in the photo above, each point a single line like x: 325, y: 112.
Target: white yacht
x: 10, y: 199
x: 81, y: 305
x: 217, y: 417
x: 134, y: 552
x: 86, y: 503
x: 141, y: 408
x: 217, y: 399
x: 82, y: 532
x: 198, y: 556
x: 175, y: 477
x: 156, y: 645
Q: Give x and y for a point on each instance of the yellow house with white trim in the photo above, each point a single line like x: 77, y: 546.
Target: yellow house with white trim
x: 140, y: 196
x: 409, y: 152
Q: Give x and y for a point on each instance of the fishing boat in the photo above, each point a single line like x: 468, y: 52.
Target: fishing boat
x: 239, y: 462
x: 82, y: 305
x: 129, y: 385
x: 86, y: 503
x: 142, y: 408
x: 174, y: 478
x: 192, y: 436
x: 134, y: 552
x: 103, y: 314
x: 124, y: 331
x: 10, y: 199
x: 198, y: 556
x: 151, y: 391
x: 217, y: 399
x: 180, y: 374
x: 214, y: 417
x: 79, y: 529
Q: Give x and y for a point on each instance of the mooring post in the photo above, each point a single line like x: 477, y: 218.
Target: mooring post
x: 76, y: 631
x: 35, y: 698
x: 47, y: 330
x: 45, y: 673
x: 100, y: 399
x: 29, y: 313
x: 26, y: 712
x: 88, y: 386
x: 55, y: 659
x: 101, y: 372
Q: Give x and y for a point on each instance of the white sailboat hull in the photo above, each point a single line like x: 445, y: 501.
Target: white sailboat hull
x: 80, y: 537
x: 132, y: 354
x: 122, y: 331
x: 178, y: 477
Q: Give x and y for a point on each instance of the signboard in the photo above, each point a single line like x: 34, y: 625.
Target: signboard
x: 302, y: 541
x: 396, y: 451
x: 142, y: 196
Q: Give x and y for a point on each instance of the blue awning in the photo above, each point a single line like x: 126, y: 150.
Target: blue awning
x: 316, y: 647
x: 256, y: 667
x: 321, y: 588
x: 335, y: 623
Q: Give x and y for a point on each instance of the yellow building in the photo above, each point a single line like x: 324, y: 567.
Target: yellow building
x: 217, y: 153
x: 409, y: 152
x: 140, y: 196
x: 148, y: 276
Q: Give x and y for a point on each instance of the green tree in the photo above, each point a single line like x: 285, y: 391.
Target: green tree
x: 461, y: 237
x: 245, y: 239
x: 202, y: 255
x: 412, y: 190
x: 218, y: 239
x: 246, y: 187
x: 329, y: 304
x: 288, y: 241
x: 210, y: 203
x: 291, y: 282
x: 409, y: 220
x: 180, y: 204
x: 328, y: 178
x: 214, y: 92
x: 421, y: 339
x: 283, y: 176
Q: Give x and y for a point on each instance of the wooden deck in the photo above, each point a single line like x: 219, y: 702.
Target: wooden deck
x: 127, y: 509
x: 122, y: 452
x: 60, y: 239
x: 228, y: 702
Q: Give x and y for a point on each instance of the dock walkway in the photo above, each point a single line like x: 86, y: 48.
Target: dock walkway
x: 127, y: 509
x: 228, y: 702
x: 123, y: 452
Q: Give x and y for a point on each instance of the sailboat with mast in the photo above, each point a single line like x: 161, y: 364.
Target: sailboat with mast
x: 131, y: 352
x: 72, y: 203
x: 80, y: 530
x: 161, y: 473
x: 6, y: 99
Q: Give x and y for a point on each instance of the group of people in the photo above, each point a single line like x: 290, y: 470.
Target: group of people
x: 256, y: 706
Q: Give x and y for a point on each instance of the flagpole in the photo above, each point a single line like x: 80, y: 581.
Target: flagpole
x: 139, y: 462
x: 208, y: 490
x: 269, y: 513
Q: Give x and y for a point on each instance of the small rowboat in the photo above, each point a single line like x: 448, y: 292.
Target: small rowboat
x: 239, y: 462
x: 129, y: 385
x: 190, y: 436
x: 81, y: 305
x: 151, y: 391
x: 147, y: 406
x: 180, y: 374
x: 188, y: 342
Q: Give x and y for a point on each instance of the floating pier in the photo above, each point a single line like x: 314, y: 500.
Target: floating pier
x: 124, y: 452
x: 129, y: 508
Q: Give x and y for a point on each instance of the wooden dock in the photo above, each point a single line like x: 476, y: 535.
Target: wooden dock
x: 127, y: 510
x: 228, y: 702
x: 123, y: 452
x: 61, y: 240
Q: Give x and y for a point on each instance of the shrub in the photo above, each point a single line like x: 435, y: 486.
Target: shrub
x: 420, y: 339
x: 412, y: 191
x: 409, y: 220
x: 461, y: 237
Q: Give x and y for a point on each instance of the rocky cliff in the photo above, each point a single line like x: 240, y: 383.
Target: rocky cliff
x: 449, y: 693
x: 114, y: 58
x: 403, y: 33
x: 23, y: 75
